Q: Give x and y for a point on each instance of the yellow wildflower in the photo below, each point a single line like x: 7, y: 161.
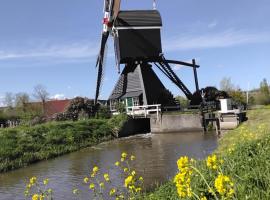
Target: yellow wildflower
x: 212, y: 162
x: 125, y: 169
x: 35, y: 197
x: 101, y: 185
x: 124, y: 155
x: 106, y: 177
x: 141, y: 178
x: 117, y: 163
x: 85, y: 180
x: 182, y: 179
x: 95, y: 169
x: 133, y: 173
x: 28, y: 187
x: 46, y: 181
x: 112, y: 191
x: 41, y: 197
x: 33, y: 180
x: 128, y: 181
x: 75, y: 191
x: 132, y: 157
x: 224, y: 185
x: 92, y: 186
x: 138, y: 189
x: 122, y: 159
x: 203, y: 198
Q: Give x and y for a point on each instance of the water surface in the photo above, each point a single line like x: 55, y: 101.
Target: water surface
x: 156, y: 156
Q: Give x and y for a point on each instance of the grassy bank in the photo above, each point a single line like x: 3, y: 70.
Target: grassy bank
x: 246, y: 155
x: 23, y: 145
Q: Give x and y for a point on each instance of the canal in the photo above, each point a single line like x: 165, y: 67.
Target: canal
x: 156, y: 156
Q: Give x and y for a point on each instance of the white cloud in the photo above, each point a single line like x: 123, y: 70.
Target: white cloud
x: 58, y: 97
x: 78, y: 50
x: 223, y: 39
x: 213, y: 24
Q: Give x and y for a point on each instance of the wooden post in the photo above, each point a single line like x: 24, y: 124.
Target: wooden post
x: 195, y: 75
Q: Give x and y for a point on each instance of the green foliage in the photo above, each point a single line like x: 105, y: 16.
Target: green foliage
x: 263, y: 96
x: 238, y: 96
x: 184, y: 102
x: 104, y: 112
x: 120, y: 107
x: 24, y: 145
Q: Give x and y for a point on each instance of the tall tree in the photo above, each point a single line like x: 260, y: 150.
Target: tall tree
x: 40, y: 93
x: 227, y: 85
x: 263, y: 96
x: 21, y: 100
x: 9, y: 100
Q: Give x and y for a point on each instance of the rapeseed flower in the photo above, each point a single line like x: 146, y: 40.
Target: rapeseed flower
x: 132, y: 157
x: 35, y: 197
x: 224, y: 186
x: 46, y: 181
x: 124, y: 155
x: 106, y: 177
x: 112, y: 191
x: 92, y: 186
x: 95, y: 169
x: 182, y: 179
x: 212, y: 162
x: 101, y: 185
x: 85, y: 180
x: 33, y: 180
x: 75, y: 191
x: 128, y: 181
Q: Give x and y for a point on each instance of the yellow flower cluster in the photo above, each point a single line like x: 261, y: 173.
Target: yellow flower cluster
x: 38, y: 197
x: 224, y: 186
x: 106, y: 177
x: 128, y: 181
x: 213, y: 162
x: 182, y: 179
x: 94, y: 171
x: 33, y: 185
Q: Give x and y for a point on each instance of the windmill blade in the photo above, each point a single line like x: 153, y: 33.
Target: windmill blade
x: 99, y: 63
x: 116, y: 8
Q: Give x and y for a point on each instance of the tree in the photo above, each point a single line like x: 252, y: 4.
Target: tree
x: 227, y: 85
x: 184, y: 102
x: 9, y: 100
x: 263, y: 96
x: 21, y: 101
x: 41, y: 94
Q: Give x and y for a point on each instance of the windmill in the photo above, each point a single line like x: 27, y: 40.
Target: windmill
x: 137, y: 42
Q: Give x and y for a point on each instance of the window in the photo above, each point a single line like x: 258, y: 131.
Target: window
x: 136, y: 101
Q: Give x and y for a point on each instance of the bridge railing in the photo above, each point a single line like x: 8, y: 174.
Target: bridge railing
x: 139, y: 111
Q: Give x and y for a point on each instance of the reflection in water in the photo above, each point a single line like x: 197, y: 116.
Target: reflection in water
x: 156, y: 156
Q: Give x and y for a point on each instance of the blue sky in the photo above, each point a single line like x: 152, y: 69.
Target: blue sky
x: 55, y: 43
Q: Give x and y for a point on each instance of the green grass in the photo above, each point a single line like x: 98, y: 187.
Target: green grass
x: 24, y: 145
x: 246, y: 155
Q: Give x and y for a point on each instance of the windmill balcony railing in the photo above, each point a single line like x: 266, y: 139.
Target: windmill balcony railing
x: 146, y: 110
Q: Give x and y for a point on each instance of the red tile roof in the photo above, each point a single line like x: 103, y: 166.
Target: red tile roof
x: 56, y: 106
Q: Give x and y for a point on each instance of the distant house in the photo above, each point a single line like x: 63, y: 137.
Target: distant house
x: 56, y: 106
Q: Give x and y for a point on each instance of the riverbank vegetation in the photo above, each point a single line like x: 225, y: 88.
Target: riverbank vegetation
x: 24, y: 145
x: 245, y: 156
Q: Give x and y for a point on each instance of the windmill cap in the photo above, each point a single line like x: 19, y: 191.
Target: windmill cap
x: 138, y: 18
